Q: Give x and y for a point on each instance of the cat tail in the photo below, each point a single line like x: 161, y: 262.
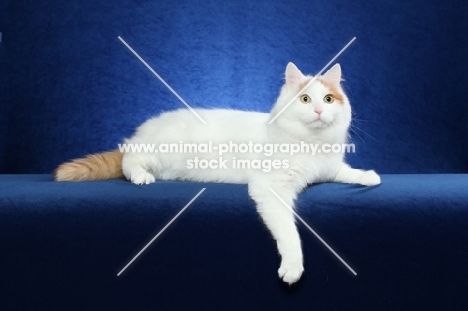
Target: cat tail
x: 99, y: 166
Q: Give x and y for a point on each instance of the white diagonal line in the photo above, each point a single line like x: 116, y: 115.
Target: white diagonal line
x: 313, y: 79
x: 162, y: 80
x: 312, y: 230
x: 162, y: 230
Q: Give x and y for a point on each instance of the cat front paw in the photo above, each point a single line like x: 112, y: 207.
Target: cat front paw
x: 369, y: 178
x: 142, y: 178
x: 290, y: 272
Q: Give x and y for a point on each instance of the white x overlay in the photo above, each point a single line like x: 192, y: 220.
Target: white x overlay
x: 204, y: 122
x: 162, y: 230
x: 162, y: 80
x: 313, y: 231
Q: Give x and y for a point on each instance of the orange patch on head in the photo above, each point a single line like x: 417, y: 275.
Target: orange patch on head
x: 333, y: 90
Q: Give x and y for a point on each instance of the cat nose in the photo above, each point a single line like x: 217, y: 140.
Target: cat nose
x: 318, y: 111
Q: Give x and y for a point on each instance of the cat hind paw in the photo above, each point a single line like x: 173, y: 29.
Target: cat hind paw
x: 142, y: 178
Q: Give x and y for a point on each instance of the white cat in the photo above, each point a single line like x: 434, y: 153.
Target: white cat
x: 320, y: 115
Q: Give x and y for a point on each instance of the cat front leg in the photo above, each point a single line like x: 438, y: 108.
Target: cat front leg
x: 349, y: 175
x: 280, y: 221
x: 133, y: 169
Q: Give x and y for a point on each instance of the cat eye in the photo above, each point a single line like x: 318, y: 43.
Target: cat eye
x: 328, y: 99
x: 305, y: 99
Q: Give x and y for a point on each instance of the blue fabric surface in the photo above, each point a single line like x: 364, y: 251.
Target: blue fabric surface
x: 64, y: 243
x: 73, y: 88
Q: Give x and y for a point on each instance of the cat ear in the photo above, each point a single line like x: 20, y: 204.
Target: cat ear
x: 293, y: 74
x: 333, y: 74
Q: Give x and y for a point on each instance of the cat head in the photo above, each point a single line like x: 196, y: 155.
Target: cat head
x: 314, y: 106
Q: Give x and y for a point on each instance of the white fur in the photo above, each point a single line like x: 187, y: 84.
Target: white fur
x: 299, y: 122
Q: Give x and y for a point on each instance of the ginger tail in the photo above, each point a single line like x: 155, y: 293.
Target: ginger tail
x: 99, y: 166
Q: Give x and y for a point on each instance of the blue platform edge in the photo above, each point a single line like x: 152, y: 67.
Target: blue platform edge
x: 64, y: 243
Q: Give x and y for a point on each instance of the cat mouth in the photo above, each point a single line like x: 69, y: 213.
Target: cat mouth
x: 316, y: 123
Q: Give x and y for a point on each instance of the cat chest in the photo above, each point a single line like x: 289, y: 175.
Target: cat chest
x: 316, y: 168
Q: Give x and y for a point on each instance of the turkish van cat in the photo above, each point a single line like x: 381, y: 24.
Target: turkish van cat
x: 306, y: 112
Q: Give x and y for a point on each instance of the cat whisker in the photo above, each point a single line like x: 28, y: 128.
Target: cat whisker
x: 364, y: 120
x: 352, y: 127
x: 357, y: 135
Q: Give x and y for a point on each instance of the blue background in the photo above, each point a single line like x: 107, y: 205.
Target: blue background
x: 69, y: 87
